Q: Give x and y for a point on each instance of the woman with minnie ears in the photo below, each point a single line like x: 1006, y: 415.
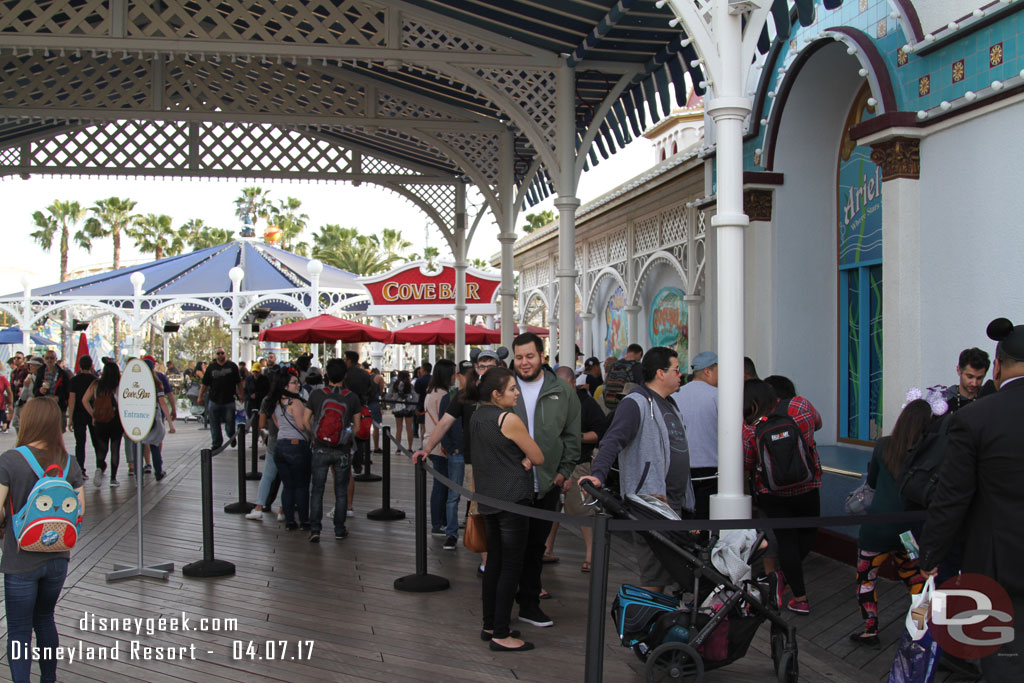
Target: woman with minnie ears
x: 33, y: 580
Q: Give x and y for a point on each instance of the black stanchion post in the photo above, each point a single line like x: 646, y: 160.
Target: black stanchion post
x: 242, y: 506
x: 421, y: 581
x: 254, y: 472
x: 363, y: 450
x: 385, y: 513
x: 597, y: 600
x: 208, y: 566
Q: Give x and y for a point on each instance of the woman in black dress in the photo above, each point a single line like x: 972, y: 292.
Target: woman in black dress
x: 503, y: 455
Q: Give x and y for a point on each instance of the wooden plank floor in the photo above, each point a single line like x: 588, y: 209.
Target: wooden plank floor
x: 337, y: 598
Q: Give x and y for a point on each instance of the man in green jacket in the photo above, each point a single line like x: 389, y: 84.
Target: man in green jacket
x: 551, y: 411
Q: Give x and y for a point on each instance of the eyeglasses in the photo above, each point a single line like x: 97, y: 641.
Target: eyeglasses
x: 674, y: 368
x: 220, y: 353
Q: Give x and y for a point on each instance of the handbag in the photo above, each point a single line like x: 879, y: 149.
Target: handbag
x: 917, y: 654
x: 859, y: 500
x: 475, y: 536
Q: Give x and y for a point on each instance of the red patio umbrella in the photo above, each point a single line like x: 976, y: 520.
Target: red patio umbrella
x: 83, y: 350
x: 325, y: 328
x: 443, y: 332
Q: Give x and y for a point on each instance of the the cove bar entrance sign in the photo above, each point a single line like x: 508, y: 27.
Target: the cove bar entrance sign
x: 413, y: 290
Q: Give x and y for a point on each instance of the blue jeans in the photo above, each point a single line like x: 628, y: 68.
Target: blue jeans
x: 506, y: 543
x: 324, y: 459
x: 292, y: 460
x: 132, y: 449
x: 457, y: 473
x: 220, y: 413
x: 30, y: 598
x: 439, y: 493
x: 270, y: 482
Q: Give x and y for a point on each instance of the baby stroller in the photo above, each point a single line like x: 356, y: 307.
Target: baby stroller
x: 679, y: 642
x: 195, y: 410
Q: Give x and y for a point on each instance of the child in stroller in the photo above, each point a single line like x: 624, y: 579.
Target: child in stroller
x: 680, y: 641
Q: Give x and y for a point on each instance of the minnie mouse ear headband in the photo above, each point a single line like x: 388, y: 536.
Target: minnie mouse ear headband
x: 500, y: 353
x: 932, y: 395
x: 1010, y: 337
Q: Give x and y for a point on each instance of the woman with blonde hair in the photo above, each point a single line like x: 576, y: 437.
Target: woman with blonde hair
x: 33, y: 580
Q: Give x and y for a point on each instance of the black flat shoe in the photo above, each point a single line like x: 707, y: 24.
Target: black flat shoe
x: 485, y: 636
x: 501, y: 648
x: 870, y: 641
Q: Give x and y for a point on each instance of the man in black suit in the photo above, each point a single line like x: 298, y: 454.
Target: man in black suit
x: 981, y: 491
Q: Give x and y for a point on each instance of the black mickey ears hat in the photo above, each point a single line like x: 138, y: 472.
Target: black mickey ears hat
x: 1009, y: 336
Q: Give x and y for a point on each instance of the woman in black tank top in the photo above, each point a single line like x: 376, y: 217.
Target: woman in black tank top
x: 503, y: 455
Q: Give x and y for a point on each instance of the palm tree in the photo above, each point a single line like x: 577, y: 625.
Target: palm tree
x: 345, y: 248
x: 198, y: 235
x: 153, y: 234
x: 393, y: 243
x: 291, y: 223
x: 536, y: 221
x: 252, y: 204
x: 63, y: 216
x: 109, y: 218
x: 480, y: 264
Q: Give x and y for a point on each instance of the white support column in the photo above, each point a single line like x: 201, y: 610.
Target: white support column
x: 567, y: 202
x: 588, y: 334
x: 507, y: 236
x: 633, y: 323
x: 26, y: 316
x: 137, y: 278
x: 460, y: 272
x: 432, y: 354
x: 728, y: 108
x: 693, y: 343
x: 376, y: 348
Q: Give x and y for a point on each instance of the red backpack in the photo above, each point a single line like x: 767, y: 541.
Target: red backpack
x: 365, y: 423
x: 332, y: 423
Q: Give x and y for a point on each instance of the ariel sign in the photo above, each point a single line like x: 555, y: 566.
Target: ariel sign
x: 412, y: 289
x: 136, y: 400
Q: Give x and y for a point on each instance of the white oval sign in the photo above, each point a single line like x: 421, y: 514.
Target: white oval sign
x: 136, y: 400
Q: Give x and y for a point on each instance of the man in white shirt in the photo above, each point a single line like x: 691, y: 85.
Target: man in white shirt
x: 551, y: 411
x: 698, y: 403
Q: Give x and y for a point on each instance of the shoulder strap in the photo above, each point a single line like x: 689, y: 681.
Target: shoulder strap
x: 30, y: 458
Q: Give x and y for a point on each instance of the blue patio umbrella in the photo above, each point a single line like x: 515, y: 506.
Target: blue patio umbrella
x: 12, y: 335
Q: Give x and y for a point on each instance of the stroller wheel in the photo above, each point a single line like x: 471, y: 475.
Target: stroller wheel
x: 788, y: 668
x: 674, y: 662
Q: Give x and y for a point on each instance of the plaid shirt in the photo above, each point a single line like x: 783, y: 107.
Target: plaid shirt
x: 808, y: 419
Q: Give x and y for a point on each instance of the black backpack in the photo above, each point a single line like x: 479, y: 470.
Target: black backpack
x: 784, y: 460
x: 920, y: 472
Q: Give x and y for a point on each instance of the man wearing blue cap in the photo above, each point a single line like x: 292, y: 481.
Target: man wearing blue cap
x: 698, y: 404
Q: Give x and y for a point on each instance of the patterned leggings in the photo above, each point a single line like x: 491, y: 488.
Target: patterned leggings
x: 868, y: 564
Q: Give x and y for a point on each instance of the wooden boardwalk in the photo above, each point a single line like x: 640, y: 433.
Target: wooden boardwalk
x: 329, y: 612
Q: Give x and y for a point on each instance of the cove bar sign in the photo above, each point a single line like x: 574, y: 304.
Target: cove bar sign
x: 414, y: 290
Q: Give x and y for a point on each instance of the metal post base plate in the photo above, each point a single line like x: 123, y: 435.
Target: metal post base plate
x: 369, y: 476
x: 127, y: 571
x: 208, y: 568
x: 239, y: 508
x: 385, y: 515
x: 253, y: 476
x: 421, y: 583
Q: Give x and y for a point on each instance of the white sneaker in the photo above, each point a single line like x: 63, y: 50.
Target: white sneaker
x: 96, y: 481
x: 350, y: 513
x: 255, y: 514
x: 330, y: 515
x: 280, y: 516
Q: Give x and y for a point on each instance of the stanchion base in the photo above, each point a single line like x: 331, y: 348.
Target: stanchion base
x: 369, y: 476
x: 202, y: 569
x: 127, y: 571
x: 253, y: 476
x: 239, y: 508
x: 421, y: 583
x: 385, y: 515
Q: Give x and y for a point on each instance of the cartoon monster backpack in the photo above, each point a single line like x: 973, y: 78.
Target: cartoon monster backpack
x: 50, y: 520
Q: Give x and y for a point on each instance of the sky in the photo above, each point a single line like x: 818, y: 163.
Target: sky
x: 367, y: 207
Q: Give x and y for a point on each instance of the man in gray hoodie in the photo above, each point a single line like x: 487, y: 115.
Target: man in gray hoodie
x: 647, y: 437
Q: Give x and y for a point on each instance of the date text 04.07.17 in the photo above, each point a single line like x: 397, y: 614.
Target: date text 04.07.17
x: 271, y: 650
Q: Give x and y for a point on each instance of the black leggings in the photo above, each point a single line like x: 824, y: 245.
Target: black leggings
x: 794, y: 544
x: 108, y: 439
